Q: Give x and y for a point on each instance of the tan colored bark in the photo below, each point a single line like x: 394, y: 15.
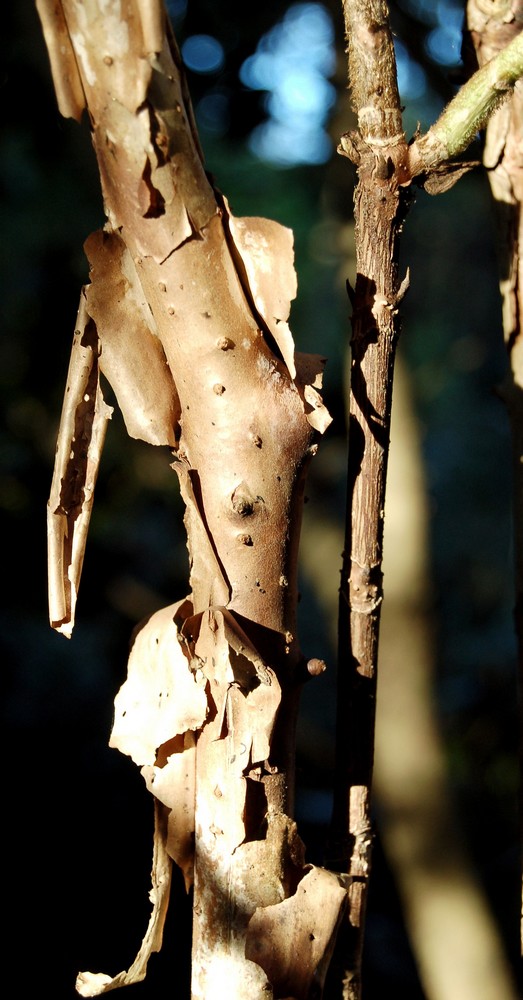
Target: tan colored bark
x: 186, y: 315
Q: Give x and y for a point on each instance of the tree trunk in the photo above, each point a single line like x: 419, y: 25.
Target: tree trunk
x: 186, y: 316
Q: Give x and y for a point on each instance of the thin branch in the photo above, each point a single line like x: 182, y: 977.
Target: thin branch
x: 372, y: 70
x: 469, y: 110
x: 379, y: 209
x: 386, y: 168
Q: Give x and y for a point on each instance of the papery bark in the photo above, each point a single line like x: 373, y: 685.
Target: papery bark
x: 187, y: 310
x: 186, y: 315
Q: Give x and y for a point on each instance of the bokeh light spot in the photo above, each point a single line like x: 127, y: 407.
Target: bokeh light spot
x: 292, y: 63
x: 203, y: 54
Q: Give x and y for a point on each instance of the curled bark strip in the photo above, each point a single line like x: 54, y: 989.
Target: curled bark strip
x: 158, y: 709
x: 152, y: 16
x: 93, y: 984
x: 293, y: 940
x: 266, y: 251
x: 81, y: 435
x: 131, y: 355
x: 115, y: 336
x: 162, y: 697
x: 207, y: 573
x: 173, y: 783
x: 66, y: 78
x: 243, y: 416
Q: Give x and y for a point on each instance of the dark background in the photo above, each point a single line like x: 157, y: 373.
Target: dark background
x: 77, y: 818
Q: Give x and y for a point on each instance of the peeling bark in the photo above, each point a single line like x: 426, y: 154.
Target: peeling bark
x: 187, y: 313
x: 93, y: 984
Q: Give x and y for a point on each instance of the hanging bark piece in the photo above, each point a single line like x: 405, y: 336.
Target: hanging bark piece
x: 293, y: 940
x: 66, y: 78
x: 205, y: 567
x: 81, y: 436
x: 243, y: 699
x: 266, y: 251
x: 174, y: 784
x: 131, y: 355
x: 115, y: 337
x: 157, y: 711
x: 162, y: 697
x: 175, y: 274
x: 93, y: 984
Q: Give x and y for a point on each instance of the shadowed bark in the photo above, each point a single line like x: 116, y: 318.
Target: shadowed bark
x: 491, y: 28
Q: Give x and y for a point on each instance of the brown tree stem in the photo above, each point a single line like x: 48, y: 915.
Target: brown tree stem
x: 175, y: 271
x: 386, y: 168
x: 380, y: 203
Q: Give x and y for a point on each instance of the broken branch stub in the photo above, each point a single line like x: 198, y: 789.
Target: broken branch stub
x: 190, y: 309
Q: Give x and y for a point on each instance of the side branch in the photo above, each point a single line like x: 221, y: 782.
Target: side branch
x: 469, y: 110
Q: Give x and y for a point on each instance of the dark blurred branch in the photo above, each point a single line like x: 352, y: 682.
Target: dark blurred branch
x: 503, y: 158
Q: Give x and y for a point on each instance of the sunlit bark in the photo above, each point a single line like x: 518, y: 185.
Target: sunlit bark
x: 186, y: 315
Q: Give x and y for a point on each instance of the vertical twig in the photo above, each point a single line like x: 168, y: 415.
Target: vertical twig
x: 386, y: 167
x: 380, y: 152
